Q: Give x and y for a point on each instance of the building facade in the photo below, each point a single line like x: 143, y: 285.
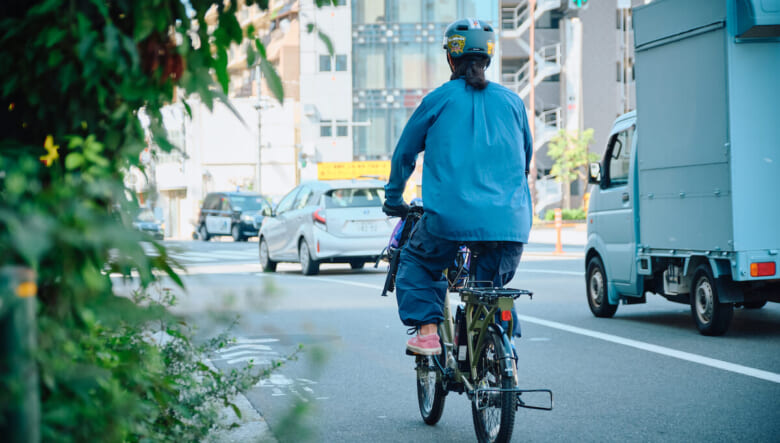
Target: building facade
x: 397, y: 59
x: 352, y: 104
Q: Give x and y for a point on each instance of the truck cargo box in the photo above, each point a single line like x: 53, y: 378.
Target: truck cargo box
x: 708, y: 149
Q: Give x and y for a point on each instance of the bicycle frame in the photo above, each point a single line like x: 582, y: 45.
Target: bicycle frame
x: 483, y: 303
x: 480, y: 319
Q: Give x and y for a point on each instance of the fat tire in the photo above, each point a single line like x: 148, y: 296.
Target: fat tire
x: 309, y: 266
x: 597, y: 290
x: 430, y: 396
x: 267, y: 264
x: 711, y: 316
x: 489, y: 360
x: 203, y: 233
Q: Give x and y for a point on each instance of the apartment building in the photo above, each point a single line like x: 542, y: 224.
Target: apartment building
x: 353, y: 104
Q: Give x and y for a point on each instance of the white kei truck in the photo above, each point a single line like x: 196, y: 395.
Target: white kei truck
x: 686, y: 200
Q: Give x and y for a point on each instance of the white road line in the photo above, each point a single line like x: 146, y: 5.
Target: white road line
x: 687, y: 356
x: 243, y: 347
x: 550, y: 271
x: 256, y: 340
x: 253, y: 359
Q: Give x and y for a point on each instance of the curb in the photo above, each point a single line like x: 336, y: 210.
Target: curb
x: 250, y: 427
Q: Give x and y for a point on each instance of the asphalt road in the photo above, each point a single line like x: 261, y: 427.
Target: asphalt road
x: 645, y: 375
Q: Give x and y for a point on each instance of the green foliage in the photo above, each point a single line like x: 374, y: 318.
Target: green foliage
x: 75, y: 75
x: 566, y: 214
x: 569, y: 151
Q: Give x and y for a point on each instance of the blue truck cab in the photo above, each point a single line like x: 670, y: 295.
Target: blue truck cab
x: 686, y: 200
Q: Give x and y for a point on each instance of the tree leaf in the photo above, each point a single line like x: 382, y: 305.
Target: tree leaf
x: 73, y: 161
x: 251, y: 56
x: 272, y: 80
x: 323, y: 37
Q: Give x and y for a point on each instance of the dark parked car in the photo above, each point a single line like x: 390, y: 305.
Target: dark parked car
x: 237, y: 214
x: 147, y: 222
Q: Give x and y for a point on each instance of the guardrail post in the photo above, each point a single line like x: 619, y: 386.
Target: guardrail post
x: 20, y: 416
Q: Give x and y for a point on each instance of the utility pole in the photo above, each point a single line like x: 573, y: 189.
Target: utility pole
x: 531, y: 105
x: 259, y: 107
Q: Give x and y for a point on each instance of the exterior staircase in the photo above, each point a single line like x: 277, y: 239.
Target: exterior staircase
x: 515, y: 23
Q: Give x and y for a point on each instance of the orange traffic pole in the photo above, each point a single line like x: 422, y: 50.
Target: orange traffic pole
x: 558, y: 226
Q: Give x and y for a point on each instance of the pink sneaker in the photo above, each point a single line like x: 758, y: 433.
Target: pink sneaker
x: 424, y: 344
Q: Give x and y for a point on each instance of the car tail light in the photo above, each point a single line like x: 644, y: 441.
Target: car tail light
x: 318, y: 217
x: 764, y: 269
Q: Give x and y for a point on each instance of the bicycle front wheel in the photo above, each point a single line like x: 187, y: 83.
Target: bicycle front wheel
x: 430, y: 390
x: 493, y: 410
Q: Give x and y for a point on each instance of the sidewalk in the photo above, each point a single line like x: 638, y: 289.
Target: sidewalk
x: 571, y: 235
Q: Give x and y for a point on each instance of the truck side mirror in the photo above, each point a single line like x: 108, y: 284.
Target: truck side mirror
x: 594, y: 175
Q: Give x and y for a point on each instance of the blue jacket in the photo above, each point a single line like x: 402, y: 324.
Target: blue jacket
x: 478, y: 148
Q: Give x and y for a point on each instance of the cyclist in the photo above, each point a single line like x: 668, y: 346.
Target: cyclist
x: 477, y: 152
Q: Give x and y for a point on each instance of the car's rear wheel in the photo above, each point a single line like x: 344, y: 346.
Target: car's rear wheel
x: 357, y: 264
x: 203, y: 233
x: 309, y: 266
x: 265, y: 257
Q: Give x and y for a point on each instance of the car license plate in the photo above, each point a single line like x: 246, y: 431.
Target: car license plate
x: 366, y: 227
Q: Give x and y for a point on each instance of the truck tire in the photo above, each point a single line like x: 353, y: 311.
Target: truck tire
x: 596, y: 285
x: 711, y: 316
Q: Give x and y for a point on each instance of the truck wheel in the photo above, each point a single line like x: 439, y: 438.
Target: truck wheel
x: 711, y: 316
x: 597, y: 290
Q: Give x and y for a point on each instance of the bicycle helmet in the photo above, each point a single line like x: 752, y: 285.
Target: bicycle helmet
x: 469, y: 36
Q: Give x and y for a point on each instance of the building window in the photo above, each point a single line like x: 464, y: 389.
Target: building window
x: 409, y: 66
x: 370, y: 72
x: 324, y: 63
x: 341, y: 128
x: 372, y: 11
x: 341, y: 62
x: 326, y: 130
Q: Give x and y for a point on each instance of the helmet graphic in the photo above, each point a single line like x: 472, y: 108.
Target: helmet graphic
x: 469, y: 36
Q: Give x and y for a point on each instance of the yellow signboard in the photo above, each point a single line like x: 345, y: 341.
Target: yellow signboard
x: 348, y: 170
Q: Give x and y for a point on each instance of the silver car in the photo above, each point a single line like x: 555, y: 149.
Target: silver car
x: 338, y: 221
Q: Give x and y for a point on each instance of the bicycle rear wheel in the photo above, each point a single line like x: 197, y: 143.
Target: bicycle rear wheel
x: 430, y: 390
x: 493, y: 411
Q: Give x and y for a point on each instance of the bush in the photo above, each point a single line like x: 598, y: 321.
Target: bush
x: 77, y: 72
x: 566, y: 214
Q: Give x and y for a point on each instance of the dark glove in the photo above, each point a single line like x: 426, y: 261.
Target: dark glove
x: 395, y: 210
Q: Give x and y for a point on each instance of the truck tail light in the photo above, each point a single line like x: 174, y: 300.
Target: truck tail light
x: 317, y: 216
x: 763, y: 269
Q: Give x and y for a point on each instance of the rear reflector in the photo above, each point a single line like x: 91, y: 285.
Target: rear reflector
x: 764, y: 269
x: 506, y: 315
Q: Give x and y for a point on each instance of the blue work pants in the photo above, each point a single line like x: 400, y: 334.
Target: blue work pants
x: 421, y: 286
